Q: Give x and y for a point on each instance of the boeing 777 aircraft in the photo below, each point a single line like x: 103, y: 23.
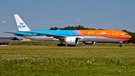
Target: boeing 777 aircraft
x: 71, y: 37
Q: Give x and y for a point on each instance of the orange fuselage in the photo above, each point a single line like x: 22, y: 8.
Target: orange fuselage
x: 106, y: 33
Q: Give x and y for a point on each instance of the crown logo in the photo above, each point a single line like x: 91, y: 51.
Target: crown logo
x: 21, y: 25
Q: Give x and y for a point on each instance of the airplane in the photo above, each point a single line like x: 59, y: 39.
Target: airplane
x: 70, y: 37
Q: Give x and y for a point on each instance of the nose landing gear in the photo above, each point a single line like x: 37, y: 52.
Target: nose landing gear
x: 120, y: 43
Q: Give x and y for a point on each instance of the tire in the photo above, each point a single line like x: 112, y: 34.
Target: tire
x: 120, y: 45
x: 61, y: 45
x: 70, y: 45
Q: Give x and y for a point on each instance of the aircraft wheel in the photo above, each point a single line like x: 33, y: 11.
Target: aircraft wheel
x: 70, y: 45
x: 120, y: 45
x: 61, y: 45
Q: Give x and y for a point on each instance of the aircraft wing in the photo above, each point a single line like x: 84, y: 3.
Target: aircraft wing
x: 14, y: 33
x: 49, y: 35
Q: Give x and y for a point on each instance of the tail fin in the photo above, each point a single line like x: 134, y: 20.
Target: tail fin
x: 20, y: 24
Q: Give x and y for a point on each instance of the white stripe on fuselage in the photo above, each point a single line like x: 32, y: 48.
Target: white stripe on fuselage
x: 83, y: 38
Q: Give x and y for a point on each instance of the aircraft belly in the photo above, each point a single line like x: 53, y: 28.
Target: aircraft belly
x: 84, y: 38
x: 101, y: 39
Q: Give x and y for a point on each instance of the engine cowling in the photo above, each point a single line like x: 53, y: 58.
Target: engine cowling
x: 71, y: 40
x: 89, y: 42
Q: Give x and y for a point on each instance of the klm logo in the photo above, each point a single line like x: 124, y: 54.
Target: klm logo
x: 21, y: 25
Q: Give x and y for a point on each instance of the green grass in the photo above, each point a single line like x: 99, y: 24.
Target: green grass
x: 66, y: 61
x: 47, y: 43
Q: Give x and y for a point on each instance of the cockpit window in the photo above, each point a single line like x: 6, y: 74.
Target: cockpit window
x: 126, y: 34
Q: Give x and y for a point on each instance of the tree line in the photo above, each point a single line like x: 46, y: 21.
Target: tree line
x: 80, y: 27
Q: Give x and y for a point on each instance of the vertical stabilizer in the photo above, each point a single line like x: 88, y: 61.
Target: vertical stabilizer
x: 20, y: 24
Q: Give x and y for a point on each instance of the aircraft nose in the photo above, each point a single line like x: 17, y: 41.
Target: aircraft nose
x: 129, y: 37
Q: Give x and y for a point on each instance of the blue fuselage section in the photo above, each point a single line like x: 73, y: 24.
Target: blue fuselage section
x: 53, y: 32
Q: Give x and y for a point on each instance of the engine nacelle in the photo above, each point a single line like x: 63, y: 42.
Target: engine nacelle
x: 71, y: 40
x: 89, y: 42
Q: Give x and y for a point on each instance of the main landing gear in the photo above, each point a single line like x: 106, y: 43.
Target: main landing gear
x: 70, y: 45
x: 120, y: 43
x: 65, y: 45
x: 61, y: 44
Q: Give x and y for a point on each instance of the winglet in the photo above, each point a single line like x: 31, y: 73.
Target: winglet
x: 20, y: 24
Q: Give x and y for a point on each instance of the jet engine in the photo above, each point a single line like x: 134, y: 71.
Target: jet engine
x: 71, y: 40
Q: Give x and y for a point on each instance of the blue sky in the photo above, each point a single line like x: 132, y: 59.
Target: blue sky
x: 43, y: 14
